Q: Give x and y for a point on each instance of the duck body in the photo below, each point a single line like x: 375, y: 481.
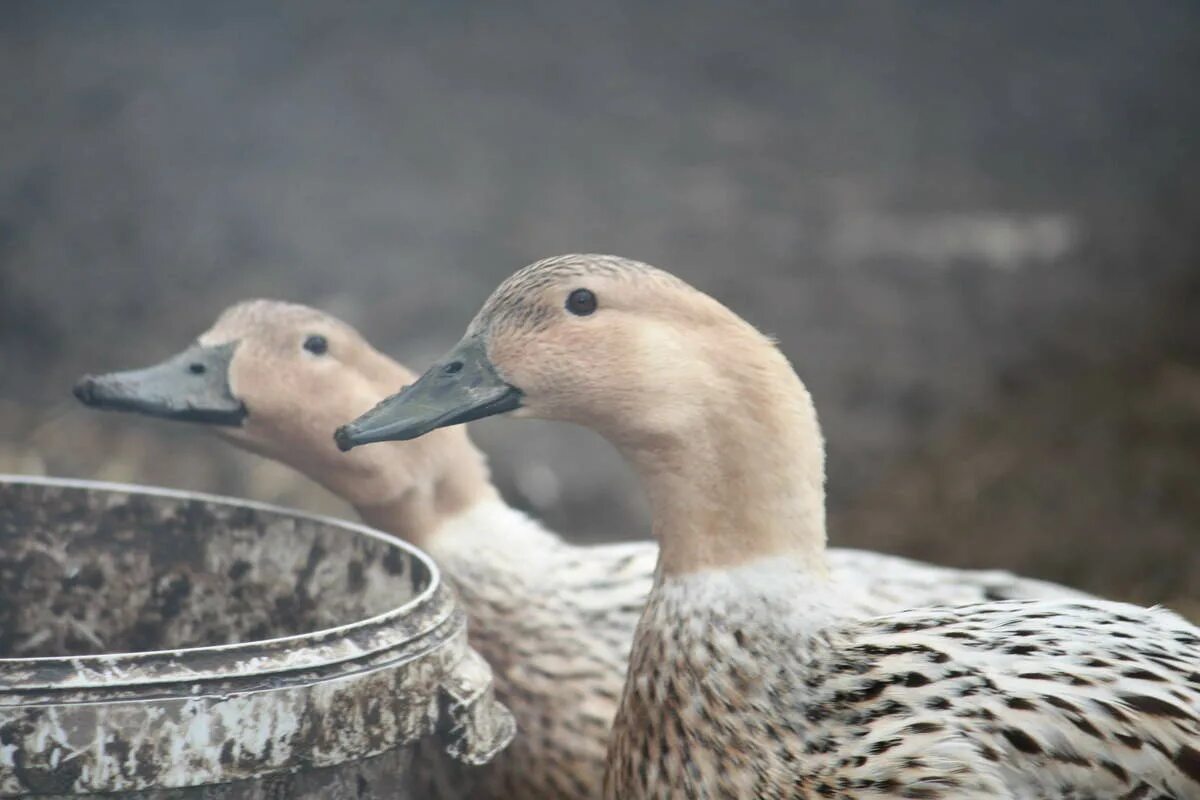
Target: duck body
x: 754, y: 671
x: 1017, y: 699
x: 555, y: 620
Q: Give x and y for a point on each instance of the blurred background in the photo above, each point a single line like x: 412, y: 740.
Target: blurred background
x: 972, y: 227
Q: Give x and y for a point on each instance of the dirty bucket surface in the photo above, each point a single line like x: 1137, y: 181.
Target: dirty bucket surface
x: 152, y: 641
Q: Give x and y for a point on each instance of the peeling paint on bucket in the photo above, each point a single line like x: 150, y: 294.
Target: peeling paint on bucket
x: 162, y: 644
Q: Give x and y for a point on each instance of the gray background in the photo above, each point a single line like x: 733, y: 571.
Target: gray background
x: 972, y: 227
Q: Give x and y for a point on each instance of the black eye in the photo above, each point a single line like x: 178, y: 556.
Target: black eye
x: 581, y: 302
x: 316, y: 344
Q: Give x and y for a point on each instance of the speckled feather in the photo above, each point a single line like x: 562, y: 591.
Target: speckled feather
x: 1019, y: 699
x: 556, y: 622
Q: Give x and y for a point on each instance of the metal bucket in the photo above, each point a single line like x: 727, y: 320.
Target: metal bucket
x: 159, y: 644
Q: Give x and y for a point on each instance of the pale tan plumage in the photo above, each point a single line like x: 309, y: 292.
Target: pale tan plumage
x: 554, y: 620
x: 752, y: 673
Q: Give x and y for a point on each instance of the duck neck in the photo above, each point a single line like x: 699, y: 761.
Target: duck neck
x: 744, y: 479
x: 414, y: 504
x: 408, y: 489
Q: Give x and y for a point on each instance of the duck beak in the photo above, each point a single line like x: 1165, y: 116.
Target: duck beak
x: 462, y: 387
x: 192, y: 386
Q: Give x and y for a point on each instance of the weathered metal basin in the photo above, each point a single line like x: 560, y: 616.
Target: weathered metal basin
x: 158, y: 644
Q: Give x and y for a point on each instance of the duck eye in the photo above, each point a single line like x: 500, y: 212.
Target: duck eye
x: 316, y: 344
x: 581, y: 302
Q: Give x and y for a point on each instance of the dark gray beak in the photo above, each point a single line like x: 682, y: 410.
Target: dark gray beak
x: 192, y: 386
x: 461, y: 387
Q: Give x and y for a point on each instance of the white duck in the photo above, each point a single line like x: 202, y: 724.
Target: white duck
x: 750, y: 676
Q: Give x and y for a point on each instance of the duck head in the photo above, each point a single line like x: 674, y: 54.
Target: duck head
x: 274, y: 378
x: 610, y: 343
x: 704, y: 406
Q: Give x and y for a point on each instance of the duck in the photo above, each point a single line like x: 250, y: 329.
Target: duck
x: 555, y: 620
x: 753, y: 673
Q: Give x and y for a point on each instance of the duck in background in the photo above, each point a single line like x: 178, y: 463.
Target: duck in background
x: 555, y: 620
x: 753, y: 673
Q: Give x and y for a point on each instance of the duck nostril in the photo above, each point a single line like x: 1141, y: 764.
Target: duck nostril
x: 453, y: 367
x: 85, y: 390
x: 196, y: 368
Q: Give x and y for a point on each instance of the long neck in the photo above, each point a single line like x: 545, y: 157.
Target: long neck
x: 413, y: 497
x: 743, y: 479
x: 409, y: 489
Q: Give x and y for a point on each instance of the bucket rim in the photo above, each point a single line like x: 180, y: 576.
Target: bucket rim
x: 322, y: 647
